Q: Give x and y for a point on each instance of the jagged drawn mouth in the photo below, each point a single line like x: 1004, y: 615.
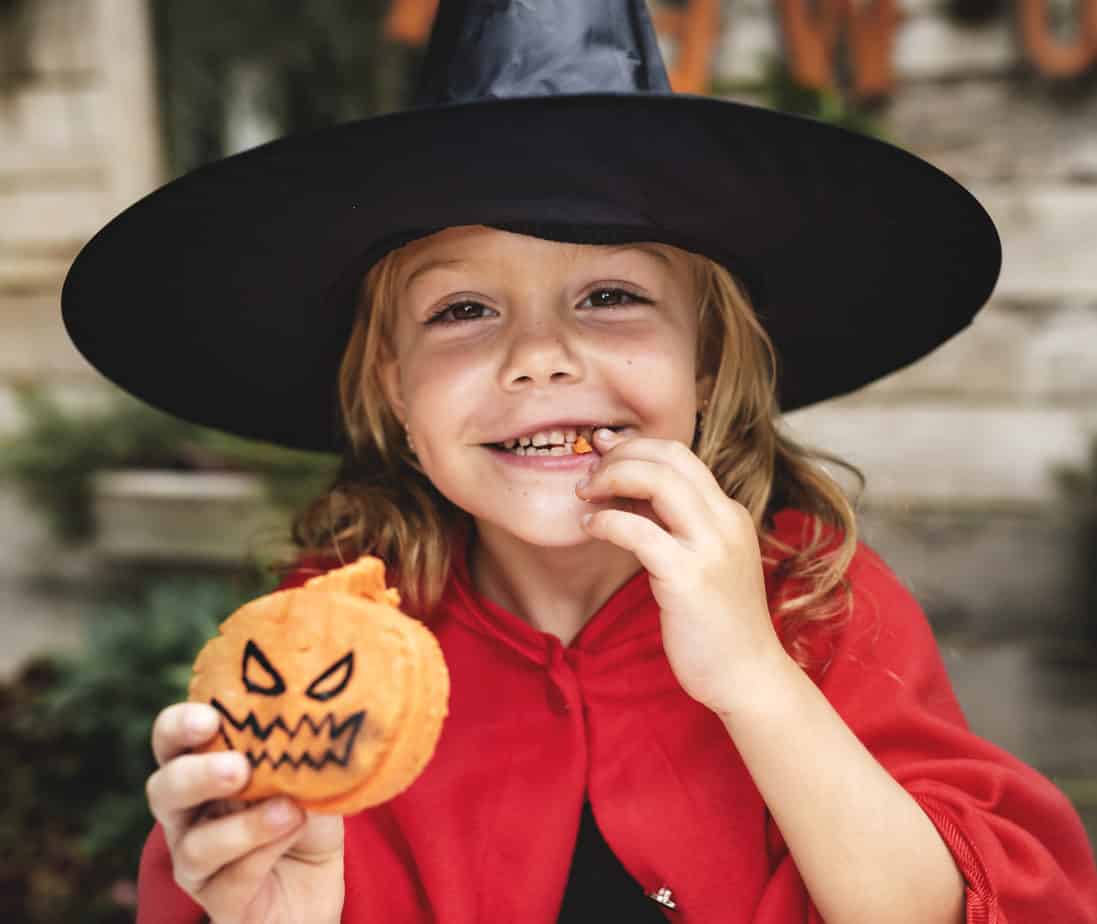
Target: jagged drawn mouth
x: 308, y: 743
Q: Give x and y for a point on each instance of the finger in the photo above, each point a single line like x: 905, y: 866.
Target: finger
x: 179, y: 787
x: 236, y: 885
x: 213, y: 844
x: 231, y: 892
x: 674, y: 499
x: 321, y: 836
x: 667, y: 452
x: 656, y: 549
x: 180, y: 727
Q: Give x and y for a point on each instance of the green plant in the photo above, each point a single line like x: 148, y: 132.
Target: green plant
x: 75, y: 754
x: 318, y: 63
x: 782, y: 92
x: 53, y: 460
x: 779, y: 90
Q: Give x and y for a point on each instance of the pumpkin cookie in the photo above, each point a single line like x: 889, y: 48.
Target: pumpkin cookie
x: 335, y: 697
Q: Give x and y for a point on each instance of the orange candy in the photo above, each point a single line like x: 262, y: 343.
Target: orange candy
x: 581, y: 446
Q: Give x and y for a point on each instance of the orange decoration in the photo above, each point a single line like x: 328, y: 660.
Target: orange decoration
x: 581, y: 447
x: 410, y: 21
x: 1055, y: 57
x: 696, y: 32
x: 812, y: 31
x: 335, y: 697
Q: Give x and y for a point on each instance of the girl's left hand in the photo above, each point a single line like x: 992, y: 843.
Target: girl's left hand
x: 701, y: 551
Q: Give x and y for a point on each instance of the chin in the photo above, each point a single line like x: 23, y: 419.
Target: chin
x: 548, y: 532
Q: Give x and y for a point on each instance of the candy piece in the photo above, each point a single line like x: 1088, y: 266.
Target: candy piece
x: 335, y: 697
x: 581, y: 446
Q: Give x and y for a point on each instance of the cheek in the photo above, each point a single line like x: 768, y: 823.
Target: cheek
x: 661, y: 386
x: 438, y: 386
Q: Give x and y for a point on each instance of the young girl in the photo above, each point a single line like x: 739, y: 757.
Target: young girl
x: 681, y: 690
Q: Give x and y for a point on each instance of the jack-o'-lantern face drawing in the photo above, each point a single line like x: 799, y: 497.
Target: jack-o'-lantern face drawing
x: 313, y: 740
x: 334, y: 696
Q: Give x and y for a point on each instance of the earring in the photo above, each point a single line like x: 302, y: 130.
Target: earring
x: 411, y: 443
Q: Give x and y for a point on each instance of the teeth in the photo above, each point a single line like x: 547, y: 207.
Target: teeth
x: 548, y: 442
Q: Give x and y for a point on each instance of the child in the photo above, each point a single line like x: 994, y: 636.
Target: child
x: 680, y: 689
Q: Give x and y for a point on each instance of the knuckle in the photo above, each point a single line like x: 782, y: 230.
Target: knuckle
x: 152, y: 790
x: 181, y: 879
x: 188, y: 858
x: 738, y: 517
x: 679, y: 453
x: 168, y: 735
x: 170, y: 719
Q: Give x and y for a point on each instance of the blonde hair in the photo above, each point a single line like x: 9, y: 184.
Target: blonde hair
x: 383, y: 504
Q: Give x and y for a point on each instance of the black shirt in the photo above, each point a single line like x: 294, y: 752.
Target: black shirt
x: 599, y: 887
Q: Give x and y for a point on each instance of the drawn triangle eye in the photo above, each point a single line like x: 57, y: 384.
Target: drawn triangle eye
x: 334, y: 680
x: 259, y: 674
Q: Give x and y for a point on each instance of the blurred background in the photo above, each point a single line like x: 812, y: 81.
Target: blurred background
x: 125, y: 536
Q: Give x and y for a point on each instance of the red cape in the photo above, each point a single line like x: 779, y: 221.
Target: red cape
x: 486, y: 834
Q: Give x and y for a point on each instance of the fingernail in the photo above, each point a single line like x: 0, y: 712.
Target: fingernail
x: 586, y: 518
x: 605, y: 435
x: 279, y: 813
x: 200, y: 722
x: 228, y: 765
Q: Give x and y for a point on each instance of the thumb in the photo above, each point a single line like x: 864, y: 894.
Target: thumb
x: 319, y: 839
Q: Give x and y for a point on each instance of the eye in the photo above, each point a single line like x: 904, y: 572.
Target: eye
x: 456, y: 312
x: 259, y: 674
x: 612, y: 298
x: 334, y: 680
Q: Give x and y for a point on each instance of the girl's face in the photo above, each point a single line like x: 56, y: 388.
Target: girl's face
x: 498, y: 337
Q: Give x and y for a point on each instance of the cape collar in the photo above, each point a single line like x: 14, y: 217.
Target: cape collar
x: 630, y: 613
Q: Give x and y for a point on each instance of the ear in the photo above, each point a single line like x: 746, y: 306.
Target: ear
x: 389, y: 376
x: 704, y: 389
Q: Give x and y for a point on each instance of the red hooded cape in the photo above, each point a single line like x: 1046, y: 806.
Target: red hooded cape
x: 486, y: 834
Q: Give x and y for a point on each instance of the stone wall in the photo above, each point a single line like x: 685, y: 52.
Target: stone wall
x: 958, y: 449
x: 77, y: 144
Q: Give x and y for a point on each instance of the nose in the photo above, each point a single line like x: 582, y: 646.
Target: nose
x: 541, y: 352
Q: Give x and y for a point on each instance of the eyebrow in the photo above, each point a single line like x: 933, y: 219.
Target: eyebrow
x: 431, y: 265
x: 649, y: 249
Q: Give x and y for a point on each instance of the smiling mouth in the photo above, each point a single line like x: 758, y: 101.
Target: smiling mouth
x: 561, y: 442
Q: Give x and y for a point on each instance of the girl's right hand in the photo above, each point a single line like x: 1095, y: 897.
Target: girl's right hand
x: 261, y: 863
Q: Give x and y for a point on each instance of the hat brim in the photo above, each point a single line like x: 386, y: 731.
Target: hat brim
x: 226, y: 297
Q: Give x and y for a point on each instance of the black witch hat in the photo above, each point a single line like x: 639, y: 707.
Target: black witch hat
x: 226, y: 297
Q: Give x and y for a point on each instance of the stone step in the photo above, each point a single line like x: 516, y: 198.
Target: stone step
x: 942, y: 454
x: 986, y: 574
x: 1016, y: 352
x: 33, y: 341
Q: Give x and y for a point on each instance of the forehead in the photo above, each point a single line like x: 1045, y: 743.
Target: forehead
x: 487, y: 248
